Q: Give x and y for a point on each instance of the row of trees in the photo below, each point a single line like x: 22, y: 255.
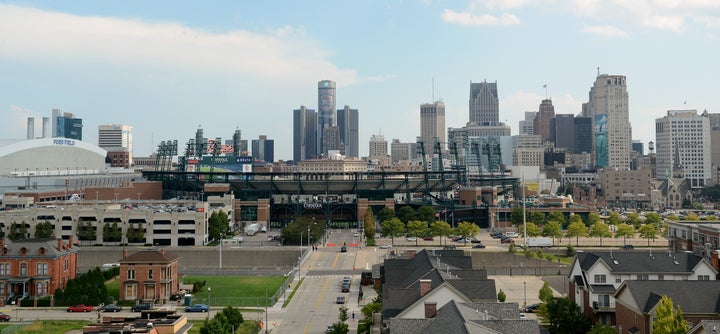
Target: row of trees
x: 225, y: 322
x: 420, y: 224
x: 88, y: 288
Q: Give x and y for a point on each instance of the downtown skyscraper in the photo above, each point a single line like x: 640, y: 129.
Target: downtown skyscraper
x: 683, y: 144
x: 305, y: 134
x: 348, y: 126
x: 484, y: 104
x: 432, y: 125
x: 608, y: 109
x: 328, y: 134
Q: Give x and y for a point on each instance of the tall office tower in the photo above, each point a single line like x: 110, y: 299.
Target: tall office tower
x: 526, y: 125
x: 263, y: 149
x: 432, y: 125
x: 562, y: 131
x: 305, y: 123
x: 583, y: 135
x: 347, y: 121
x: 683, y: 144
x: 46, y: 127
x: 378, y: 149
x: 484, y: 104
x: 326, y: 112
x: 541, y: 123
x: 66, y: 126
x: 117, y: 140
x: 236, y: 138
x: 331, y: 140
x: 30, y: 128
x: 638, y: 146
x: 609, y: 111
x: 714, y: 145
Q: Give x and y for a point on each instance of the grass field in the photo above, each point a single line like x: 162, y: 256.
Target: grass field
x: 236, y: 291
x: 247, y: 327
x: 113, y: 289
x: 53, y: 327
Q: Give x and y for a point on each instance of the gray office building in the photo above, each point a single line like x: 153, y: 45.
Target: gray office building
x: 263, y: 149
x: 347, y: 121
x: 305, y: 123
x: 484, y: 104
x: 562, y: 131
x: 583, y: 135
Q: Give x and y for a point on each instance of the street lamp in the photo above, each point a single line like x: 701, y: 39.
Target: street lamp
x: 308, y: 236
x: 209, y: 289
x: 525, y: 292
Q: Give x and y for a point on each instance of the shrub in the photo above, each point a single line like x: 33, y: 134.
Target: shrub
x: 501, y: 296
x: 570, y: 250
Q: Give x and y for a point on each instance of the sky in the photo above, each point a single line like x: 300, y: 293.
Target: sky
x: 169, y: 67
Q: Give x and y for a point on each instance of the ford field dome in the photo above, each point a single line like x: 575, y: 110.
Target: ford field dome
x: 50, y: 157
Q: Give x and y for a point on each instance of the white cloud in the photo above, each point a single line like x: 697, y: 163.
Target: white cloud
x: 32, y: 34
x: 470, y: 19
x: 673, y: 23
x: 608, y: 31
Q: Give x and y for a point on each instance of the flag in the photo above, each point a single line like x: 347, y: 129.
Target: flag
x: 545, y: 86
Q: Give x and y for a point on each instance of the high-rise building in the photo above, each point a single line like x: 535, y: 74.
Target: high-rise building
x: 263, y: 149
x: 30, y: 128
x: 378, y: 149
x: 305, y: 123
x: 327, y: 116
x: 526, y: 125
x: 714, y: 145
x: 562, y: 131
x: 609, y: 111
x: 541, y: 123
x: 46, y: 127
x: 400, y: 151
x: 64, y: 125
x: 347, y: 121
x: 583, y: 135
x: 683, y: 144
x: 117, y: 140
x: 432, y: 125
x: 484, y: 104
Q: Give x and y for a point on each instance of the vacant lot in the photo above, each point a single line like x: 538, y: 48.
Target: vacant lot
x: 236, y: 291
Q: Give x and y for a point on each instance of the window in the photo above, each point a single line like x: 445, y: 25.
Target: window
x: 150, y: 274
x: 604, y: 300
x: 131, y: 274
x: 66, y: 265
x: 599, y: 278
x: 4, y: 269
x: 642, y: 277
x: 41, y: 288
x: 42, y: 269
x: 703, y: 277
x: 661, y: 277
x: 23, y: 269
x: 2, y: 289
x: 131, y: 291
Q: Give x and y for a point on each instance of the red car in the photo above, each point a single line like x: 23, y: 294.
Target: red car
x: 4, y: 317
x: 507, y: 241
x: 80, y: 308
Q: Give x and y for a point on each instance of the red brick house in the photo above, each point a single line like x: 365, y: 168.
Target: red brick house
x: 35, y: 267
x: 148, y: 275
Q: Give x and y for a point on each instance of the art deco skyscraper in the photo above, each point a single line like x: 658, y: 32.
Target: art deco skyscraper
x: 327, y: 116
x: 609, y: 111
x: 484, y: 104
x: 541, y: 123
x: 432, y: 125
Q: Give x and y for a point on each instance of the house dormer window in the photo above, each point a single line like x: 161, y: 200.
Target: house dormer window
x: 41, y: 251
x: 600, y: 279
x: 5, y: 251
x: 23, y: 251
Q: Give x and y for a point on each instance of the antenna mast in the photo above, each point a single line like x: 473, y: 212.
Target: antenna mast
x: 433, y: 89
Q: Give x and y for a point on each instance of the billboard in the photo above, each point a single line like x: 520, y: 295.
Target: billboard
x: 228, y: 163
x: 601, y: 140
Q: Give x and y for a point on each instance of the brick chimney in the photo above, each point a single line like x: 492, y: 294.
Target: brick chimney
x: 410, y: 254
x: 60, y: 245
x: 425, y: 286
x: 124, y: 252
x: 2, y: 242
x: 714, y: 260
x: 430, y: 309
x: 162, y: 251
x: 71, y: 242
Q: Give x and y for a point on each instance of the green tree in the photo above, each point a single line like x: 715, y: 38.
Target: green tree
x: 86, y: 230
x: 135, y: 233
x: 633, y: 219
x: 516, y: 216
x: 648, y: 232
x: 655, y: 218
x: 417, y: 229
x: 369, y: 224
x: 614, y: 218
x: 602, y: 329
x: 545, y: 292
x: 44, y: 230
x: 385, y: 214
x: 576, y: 218
x: 218, y: 225
x: 711, y: 192
x: 532, y: 229
x: 558, y: 217
x: 111, y: 232
x: 538, y: 218
x: 426, y: 213
x: 225, y: 322
x: 467, y: 230
x: 552, y: 229
x: 406, y: 214
x: 600, y: 230
x: 299, y: 227
x: 234, y: 316
x: 625, y: 231
x: 440, y: 229
x: 341, y: 327
x: 669, y: 319
x: 593, y: 218
x: 563, y: 316
x: 501, y: 296
x: 577, y: 229
x: 691, y: 217
x: 392, y: 228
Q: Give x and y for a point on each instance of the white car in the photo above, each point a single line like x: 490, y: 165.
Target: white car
x: 356, y: 234
x: 413, y: 239
x: 384, y: 246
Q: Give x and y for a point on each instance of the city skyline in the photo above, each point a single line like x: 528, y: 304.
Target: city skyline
x: 248, y: 65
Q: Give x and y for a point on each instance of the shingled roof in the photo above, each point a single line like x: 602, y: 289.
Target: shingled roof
x: 641, y: 261
x: 51, y: 248
x: 149, y: 256
x: 694, y: 297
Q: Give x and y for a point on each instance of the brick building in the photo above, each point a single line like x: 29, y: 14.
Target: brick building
x: 35, y: 267
x: 148, y: 275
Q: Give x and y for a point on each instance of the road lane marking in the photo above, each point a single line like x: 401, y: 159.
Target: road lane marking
x: 337, y: 256
x: 317, y: 303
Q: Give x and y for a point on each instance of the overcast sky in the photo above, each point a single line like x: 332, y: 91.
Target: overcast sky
x: 169, y: 67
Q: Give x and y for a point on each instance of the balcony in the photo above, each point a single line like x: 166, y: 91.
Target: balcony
x: 602, y: 307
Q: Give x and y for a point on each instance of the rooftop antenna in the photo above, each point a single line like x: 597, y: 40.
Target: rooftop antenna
x: 598, y: 69
x: 433, y: 89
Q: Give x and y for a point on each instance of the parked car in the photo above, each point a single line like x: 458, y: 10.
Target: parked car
x: 428, y: 238
x: 413, y: 239
x: 449, y: 247
x: 532, y: 308
x: 628, y: 247
x: 507, y: 241
x: 480, y: 245
x: 496, y: 235
x: 4, y: 317
x: 463, y: 240
x: 384, y: 246
x: 197, y: 308
x: 79, y: 308
x: 329, y: 329
x: 141, y: 307
x: 475, y: 241
x: 345, y: 287
x: 340, y: 300
x: 111, y: 308
x: 343, y: 249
